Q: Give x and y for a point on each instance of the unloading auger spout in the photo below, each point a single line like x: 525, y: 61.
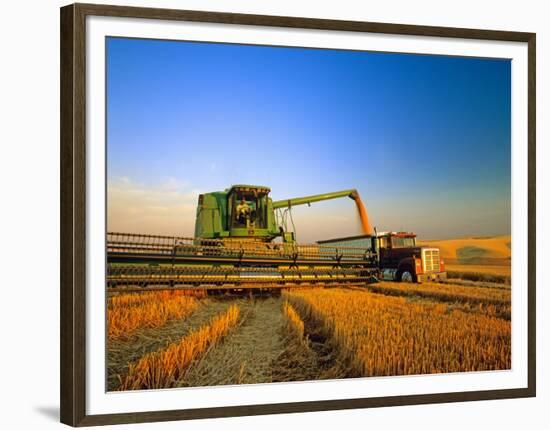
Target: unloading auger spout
x: 352, y: 194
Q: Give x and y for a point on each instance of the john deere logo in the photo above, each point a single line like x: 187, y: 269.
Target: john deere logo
x: 251, y: 232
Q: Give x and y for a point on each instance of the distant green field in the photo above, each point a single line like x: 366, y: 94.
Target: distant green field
x: 471, y: 252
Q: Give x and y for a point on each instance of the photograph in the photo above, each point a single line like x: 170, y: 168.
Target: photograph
x: 278, y: 214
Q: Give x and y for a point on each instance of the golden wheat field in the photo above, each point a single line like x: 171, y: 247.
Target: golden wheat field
x: 378, y: 335
x: 166, y: 339
x: 128, y: 313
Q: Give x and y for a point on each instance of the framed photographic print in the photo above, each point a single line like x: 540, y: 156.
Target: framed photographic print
x: 266, y: 214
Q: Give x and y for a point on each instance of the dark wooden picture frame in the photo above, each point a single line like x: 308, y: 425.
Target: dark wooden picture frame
x: 73, y: 213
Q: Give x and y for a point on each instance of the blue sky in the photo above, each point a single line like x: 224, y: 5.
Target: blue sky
x: 425, y: 139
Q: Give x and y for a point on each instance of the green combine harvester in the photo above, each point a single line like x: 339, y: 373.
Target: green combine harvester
x: 246, y: 212
x: 235, y: 248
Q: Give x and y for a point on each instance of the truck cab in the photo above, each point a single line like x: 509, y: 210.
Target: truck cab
x: 401, y: 259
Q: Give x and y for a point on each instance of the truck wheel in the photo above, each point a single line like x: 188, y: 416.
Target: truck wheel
x: 406, y: 275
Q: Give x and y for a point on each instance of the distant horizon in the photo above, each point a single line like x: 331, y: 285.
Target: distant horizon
x: 425, y: 139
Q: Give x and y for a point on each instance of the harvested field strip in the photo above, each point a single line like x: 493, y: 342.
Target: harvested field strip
x: 477, y: 268
x: 153, y: 310
x: 122, y: 352
x: 247, y: 354
x: 163, y: 368
x: 445, y: 292
x: 308, y: 354
x: 381, y: 335
x: 479, y: 284
x: 480, y: 277
x: 478, y: 273
x: 495, y: 302
x: 264, y: 348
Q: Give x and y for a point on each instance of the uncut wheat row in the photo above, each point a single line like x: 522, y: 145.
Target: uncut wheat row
x: 127, y: 313
x: 381, y: 335
x: 163, y: 368
x: 293, y: 322
x: 137, y: 298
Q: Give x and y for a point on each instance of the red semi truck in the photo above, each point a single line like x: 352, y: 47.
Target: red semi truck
x: 398, y: 257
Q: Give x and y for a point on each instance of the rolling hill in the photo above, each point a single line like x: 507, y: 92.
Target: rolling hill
x: 494, y: 250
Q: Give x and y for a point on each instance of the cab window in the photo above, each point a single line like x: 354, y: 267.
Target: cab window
x: 247, y: 210
x: 384, y: 242
x: 402, y: 242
